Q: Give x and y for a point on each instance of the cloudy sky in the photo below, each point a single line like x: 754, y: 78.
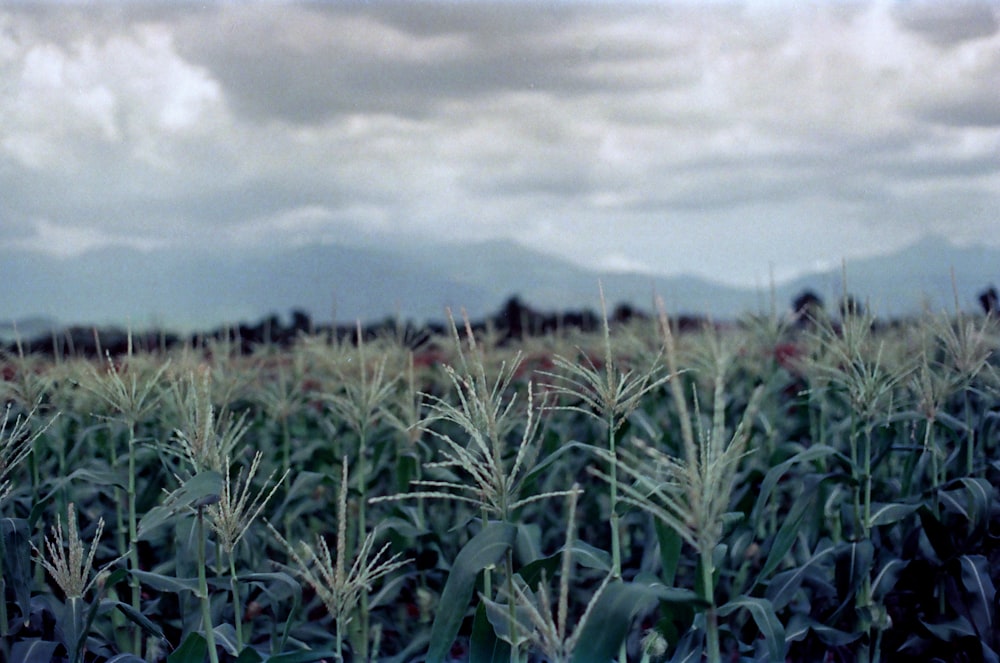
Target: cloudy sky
x: 721, y: 139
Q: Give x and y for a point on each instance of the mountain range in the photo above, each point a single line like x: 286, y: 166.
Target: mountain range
x: 115, y: 286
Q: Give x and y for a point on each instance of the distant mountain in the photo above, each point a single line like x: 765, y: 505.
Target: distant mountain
x: 905, y: 282
x: 197, y: 290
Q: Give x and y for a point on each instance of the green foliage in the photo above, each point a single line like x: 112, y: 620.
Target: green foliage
x: 773, y: 493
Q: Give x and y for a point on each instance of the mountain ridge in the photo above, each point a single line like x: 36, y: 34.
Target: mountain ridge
x: 188, y: 291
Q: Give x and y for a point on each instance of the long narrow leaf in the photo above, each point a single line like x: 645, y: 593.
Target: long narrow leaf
x: 33, y: 651
x: 17, y: 561
x: 482, y: 550
x: 977, y: 582
x: 303, y: 657
x: 136, y: 617
x: 767, y: 622
x: 783, y: 586
x: 887, y: 514
x: 192, y: 650
x: 608, y: 622
x: 776, y: 473
x: 485, y: 646
x: 790, y: 528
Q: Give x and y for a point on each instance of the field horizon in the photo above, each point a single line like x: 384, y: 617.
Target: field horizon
x: 335, y: 284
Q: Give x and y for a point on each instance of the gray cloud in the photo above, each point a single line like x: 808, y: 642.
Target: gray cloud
x: 613, y: 133
x: 950, y: 23
x: 310, y: 63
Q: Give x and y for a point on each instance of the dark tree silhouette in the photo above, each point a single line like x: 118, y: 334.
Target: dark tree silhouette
x: 850, y: 306
x: 807, y: 306
x: 990, y: 301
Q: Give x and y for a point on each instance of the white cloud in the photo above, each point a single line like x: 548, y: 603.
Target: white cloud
x: 67, y: 240
x: 130, y: 92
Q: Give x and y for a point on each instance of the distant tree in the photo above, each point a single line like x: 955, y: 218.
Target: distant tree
x: 514, y: 318
x: 624, y: 312
x: 301, y: 321
x: 807, y: 306
x: 850, y: 306
x: 990, y: 301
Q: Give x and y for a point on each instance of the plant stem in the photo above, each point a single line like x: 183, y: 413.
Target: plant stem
x: 970, y: 439
x: 206, y: 603
x: 133, y: 551
x: 857, y: 478
x: 286, y: 445
x: 713, y: 651
x: 868, y: 482
x: 237, y: 605
x: 339, y: 649
x: 362, y: 533
x: 616, y: 546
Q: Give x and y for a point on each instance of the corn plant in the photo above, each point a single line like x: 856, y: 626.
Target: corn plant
x: 341, y: 587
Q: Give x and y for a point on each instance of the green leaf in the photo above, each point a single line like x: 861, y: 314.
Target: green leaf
x: 977, y: 582
x: 202, y: 489
x: 271, y: 584
x: 193, y: 650
x: 126, y: 658
x: 279, y: 578
x: 498, y: 615
x: 407, y: 466
x: 225, y: 635
x: 300, y: 494
x: 543, y: 466
x: 972, y: 501
x: 74, y: 626
x: 303, y: 656
x: 783, y: 586
x: 942, y: 544
x: 775, y: 474
x: 197, y: 491
x: 33, y: 651
x: 389, y: 591
x: 886, y: 578
x: 17, y: 561
x: 135, y: 617
x: 691, y: 647
x: 527, y: 545
x: 889, y: 513
x: 951, y: 630
x: 670, y: 549
x: 791, y: 527
x: 249, y: 655
x: 165, y: 583
x: 485, y: 646
x: 591, y: 557
x: 767, y: 622
x: 654, y: 588
x: 100, y: 477
x: 854, y: 563
x: 608, y: 623
x: 800, y: 625
x: 583, y: 554
x: 482, y: 550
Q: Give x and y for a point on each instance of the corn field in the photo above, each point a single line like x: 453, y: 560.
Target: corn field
x: 764, y: 491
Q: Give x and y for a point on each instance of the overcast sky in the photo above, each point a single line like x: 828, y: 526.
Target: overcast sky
x: 721, y: 139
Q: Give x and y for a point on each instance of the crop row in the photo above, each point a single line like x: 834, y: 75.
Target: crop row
x: 823, y: 490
